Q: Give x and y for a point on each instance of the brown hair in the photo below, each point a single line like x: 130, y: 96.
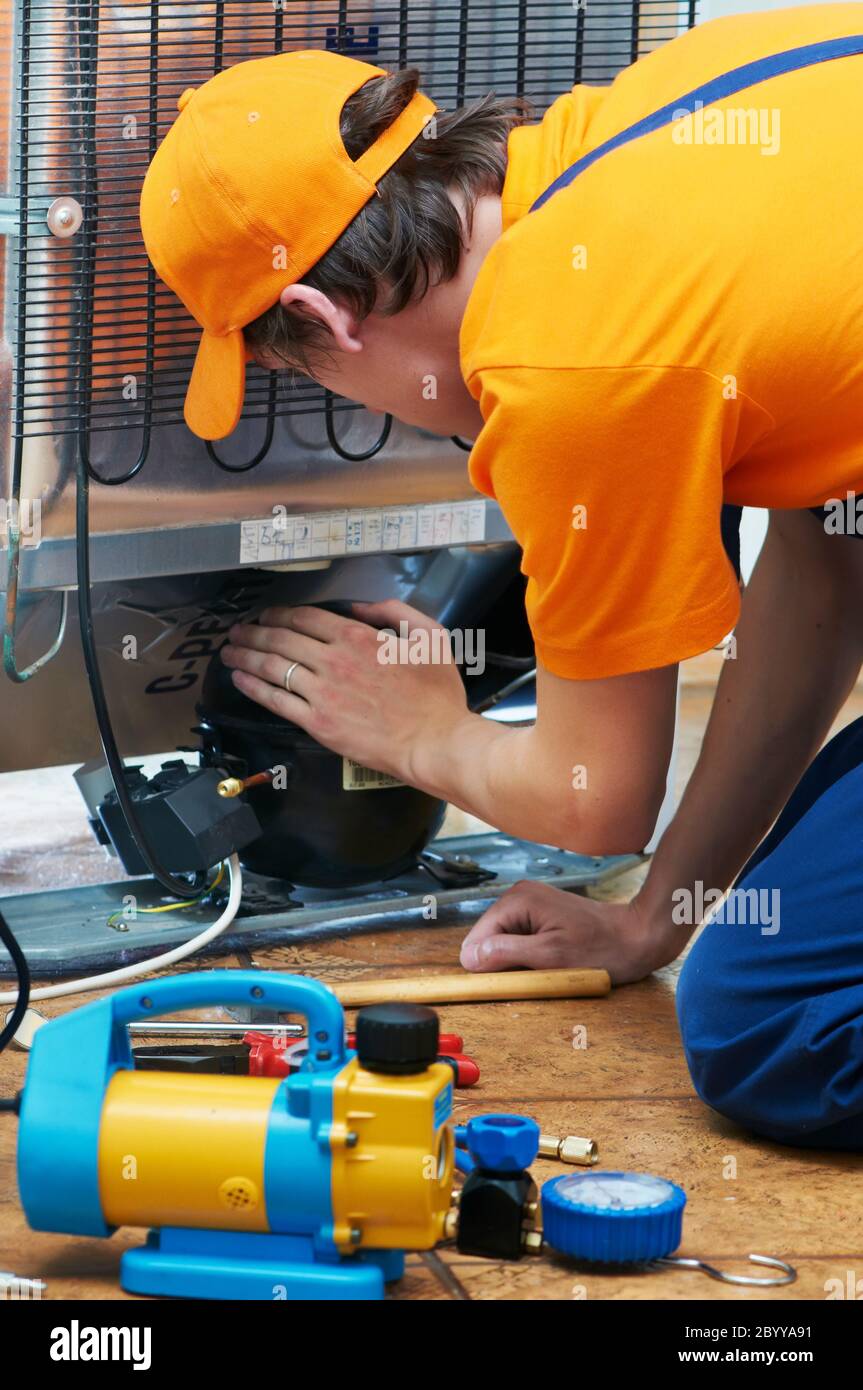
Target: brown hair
x: 410, y: 237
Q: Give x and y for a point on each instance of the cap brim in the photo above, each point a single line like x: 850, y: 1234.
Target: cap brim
x: 214, y: 399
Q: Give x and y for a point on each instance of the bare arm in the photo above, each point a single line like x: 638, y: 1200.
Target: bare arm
x: 589, y: 776
x: 799, y: 647
x: 799, y: 651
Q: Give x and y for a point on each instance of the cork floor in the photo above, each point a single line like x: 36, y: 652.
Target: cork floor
x: 628, y: 1089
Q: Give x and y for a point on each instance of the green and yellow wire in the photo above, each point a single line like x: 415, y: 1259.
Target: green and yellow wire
x: 116, y: 917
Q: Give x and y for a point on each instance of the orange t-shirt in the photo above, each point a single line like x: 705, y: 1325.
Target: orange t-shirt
x: 680, y: 326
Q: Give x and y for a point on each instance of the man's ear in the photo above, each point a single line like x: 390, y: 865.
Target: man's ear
x: 341, y: 322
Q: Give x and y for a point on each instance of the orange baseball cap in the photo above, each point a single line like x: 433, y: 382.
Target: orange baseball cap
x: 248, y: 190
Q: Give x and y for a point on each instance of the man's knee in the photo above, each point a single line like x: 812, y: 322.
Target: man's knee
x: 718, y: 1059
x: 791, y: 1074
x: 771, y: 1011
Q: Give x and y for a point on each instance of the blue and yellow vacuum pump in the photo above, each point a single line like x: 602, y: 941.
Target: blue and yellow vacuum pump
x: 306, y: 1186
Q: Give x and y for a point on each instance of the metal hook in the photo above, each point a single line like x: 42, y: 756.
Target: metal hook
x: 788, y: 1277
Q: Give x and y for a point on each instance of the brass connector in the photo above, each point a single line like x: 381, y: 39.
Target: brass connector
x: 569, y: 1149
x: 232, y: 786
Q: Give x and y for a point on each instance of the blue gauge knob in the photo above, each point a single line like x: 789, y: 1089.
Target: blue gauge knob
x: 503, y: 1143
x: 612, y: 1218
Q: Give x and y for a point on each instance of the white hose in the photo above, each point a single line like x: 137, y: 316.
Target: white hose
x: 143, y: 967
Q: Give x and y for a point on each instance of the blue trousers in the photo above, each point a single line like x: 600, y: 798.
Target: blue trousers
x: 772, y: 1020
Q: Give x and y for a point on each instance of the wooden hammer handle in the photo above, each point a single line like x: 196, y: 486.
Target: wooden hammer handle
x: 467, y: 988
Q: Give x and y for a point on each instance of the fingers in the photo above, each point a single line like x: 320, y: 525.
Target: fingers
x: 391, y: 612
x: 323, y: 626
x: 278, y: 641
x: 271, y: 697
x: 318, y: 623
x: 507, y: 914
x: 503, y: 952
x: 487, y: 945
x: 271, y: 667
x: 507, y: 928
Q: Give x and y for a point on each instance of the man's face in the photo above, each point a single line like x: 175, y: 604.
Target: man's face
x: 406, y: 366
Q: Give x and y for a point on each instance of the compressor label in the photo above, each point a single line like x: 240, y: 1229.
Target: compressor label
x: 356, y: 778
x: 281, y: 539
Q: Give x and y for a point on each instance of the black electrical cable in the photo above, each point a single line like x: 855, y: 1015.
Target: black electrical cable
x: 511, y: 663
x: 12, y: 1104
x: 181, y: 888
x: 91, y: 229
x: 88, y: 56
x: 462, y: 443
x: 87, y: 45
x: 22, y: 970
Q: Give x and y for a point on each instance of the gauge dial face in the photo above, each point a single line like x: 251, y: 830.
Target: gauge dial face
x: 614, y: 1191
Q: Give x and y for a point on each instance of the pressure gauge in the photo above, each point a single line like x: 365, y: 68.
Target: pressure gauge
x: 612, y: 1217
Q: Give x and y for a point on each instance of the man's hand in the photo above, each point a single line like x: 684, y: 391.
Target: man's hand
x: 589, y: 776
x: 350, y: 690
x: 536, y: 927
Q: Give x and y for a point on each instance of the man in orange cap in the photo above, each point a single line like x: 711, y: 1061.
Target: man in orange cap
x: 646, y: 304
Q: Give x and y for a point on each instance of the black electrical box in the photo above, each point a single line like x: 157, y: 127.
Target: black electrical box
x: 188, y: 825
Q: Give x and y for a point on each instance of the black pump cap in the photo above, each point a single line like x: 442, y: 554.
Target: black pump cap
x: 397, y: 1038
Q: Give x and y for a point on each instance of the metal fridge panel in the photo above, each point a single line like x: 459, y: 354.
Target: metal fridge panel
x: 98, y: 350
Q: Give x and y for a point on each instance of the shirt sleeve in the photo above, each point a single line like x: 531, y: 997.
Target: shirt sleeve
x: 611, y: 481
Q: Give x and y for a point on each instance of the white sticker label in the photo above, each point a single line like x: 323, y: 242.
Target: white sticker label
x: 356, y: 778
x: 361, y: 531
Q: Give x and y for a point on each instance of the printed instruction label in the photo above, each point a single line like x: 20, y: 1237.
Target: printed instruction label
x: 280, y: 539
x: 356, y: 778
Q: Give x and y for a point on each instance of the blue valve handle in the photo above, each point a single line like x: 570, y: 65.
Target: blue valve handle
x: 74, y: 1057
x: 285, y: 993
x: 498, y: 1143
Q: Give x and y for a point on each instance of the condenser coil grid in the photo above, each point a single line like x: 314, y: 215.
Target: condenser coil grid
x: 97, y: 342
